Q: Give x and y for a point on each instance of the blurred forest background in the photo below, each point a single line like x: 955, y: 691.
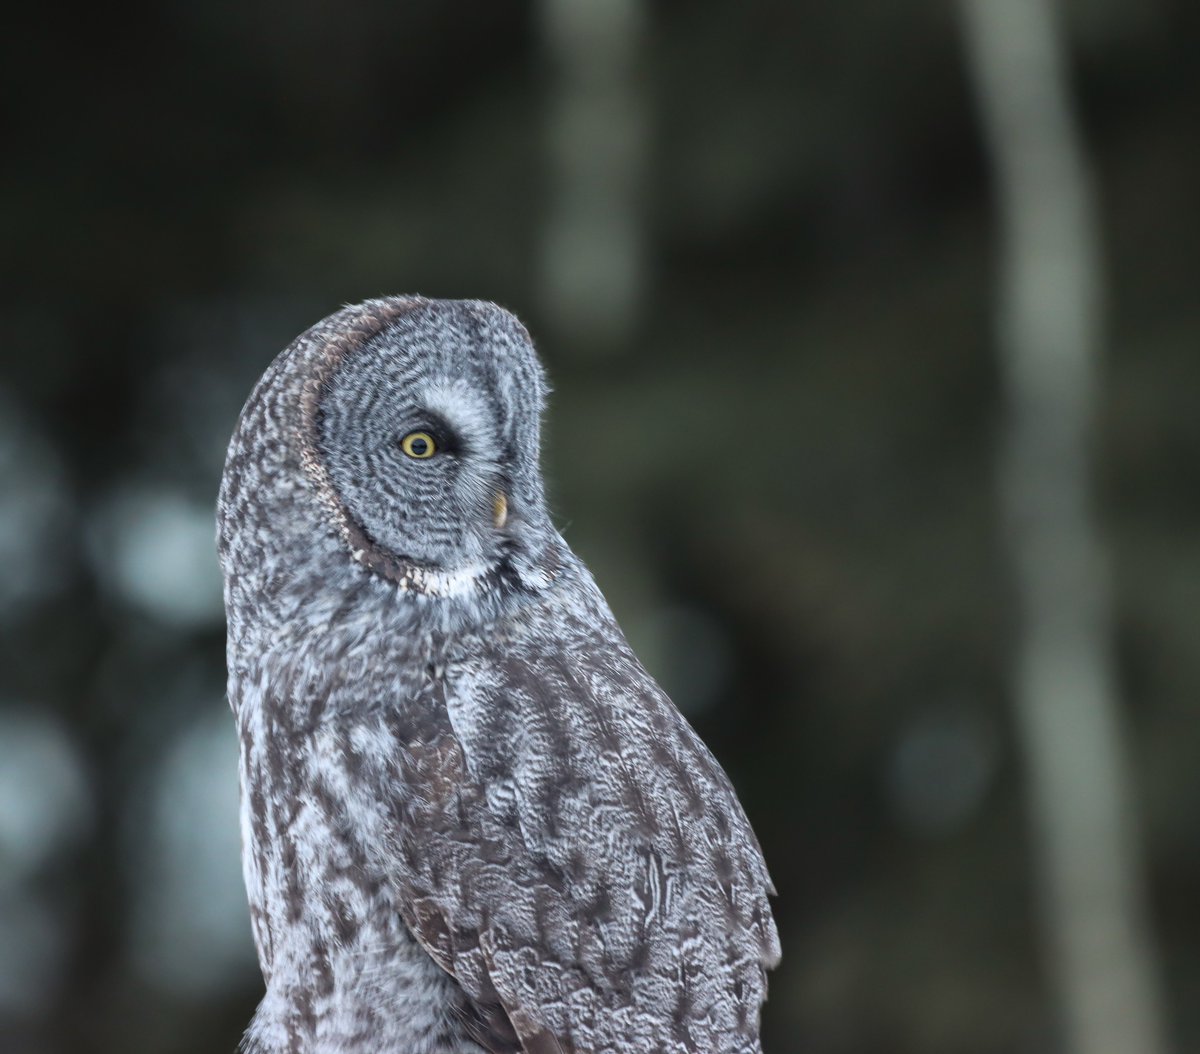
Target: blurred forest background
x: 761, y: 248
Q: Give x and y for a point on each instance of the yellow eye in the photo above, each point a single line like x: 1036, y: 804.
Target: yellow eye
x: 419, y: 445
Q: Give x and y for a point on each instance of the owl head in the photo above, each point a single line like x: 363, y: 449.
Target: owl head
x: 398, y: 437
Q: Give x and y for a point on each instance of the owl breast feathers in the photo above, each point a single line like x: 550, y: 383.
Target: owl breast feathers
x: 471, y: 820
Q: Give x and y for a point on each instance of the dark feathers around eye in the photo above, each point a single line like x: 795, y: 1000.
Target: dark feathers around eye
x: 444, y: 436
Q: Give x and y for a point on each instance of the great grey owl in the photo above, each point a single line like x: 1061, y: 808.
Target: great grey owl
x: 471, y: 820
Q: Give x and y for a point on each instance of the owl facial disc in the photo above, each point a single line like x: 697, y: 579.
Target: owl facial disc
x: 422, y: 435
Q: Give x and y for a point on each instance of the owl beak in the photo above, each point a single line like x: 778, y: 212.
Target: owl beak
x: 500, y: 509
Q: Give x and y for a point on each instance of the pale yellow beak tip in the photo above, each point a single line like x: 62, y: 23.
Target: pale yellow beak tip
x: 500, y: 509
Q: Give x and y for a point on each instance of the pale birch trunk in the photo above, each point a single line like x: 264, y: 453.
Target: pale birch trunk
x: 1099, y: 944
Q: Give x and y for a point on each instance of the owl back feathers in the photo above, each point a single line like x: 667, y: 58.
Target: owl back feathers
x: 572, y: 853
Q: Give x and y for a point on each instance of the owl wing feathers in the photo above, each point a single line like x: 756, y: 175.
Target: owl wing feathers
x: 578, y: 860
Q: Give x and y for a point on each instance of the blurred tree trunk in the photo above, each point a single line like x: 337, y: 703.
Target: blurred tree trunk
x: 591, y: 273
x: 1049, y: 335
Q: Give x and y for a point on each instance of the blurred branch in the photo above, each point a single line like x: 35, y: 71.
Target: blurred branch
x: 1049, y: 335
x: 591, y: 254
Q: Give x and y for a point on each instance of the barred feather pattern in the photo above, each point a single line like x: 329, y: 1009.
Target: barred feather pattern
x: 471, y: 820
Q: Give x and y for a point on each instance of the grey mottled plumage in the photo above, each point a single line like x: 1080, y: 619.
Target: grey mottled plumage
x: 471, y: 820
